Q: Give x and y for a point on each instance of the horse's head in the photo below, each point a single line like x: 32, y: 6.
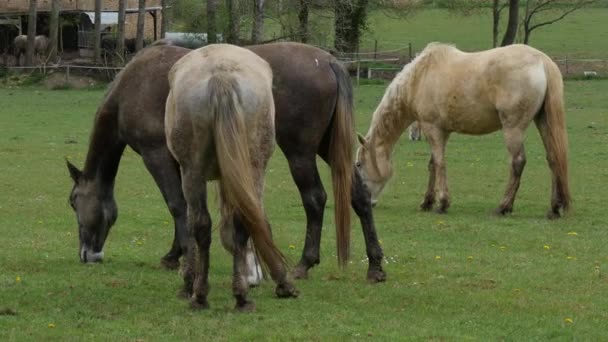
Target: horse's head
x: 374, y: 169
x: 95, y: 213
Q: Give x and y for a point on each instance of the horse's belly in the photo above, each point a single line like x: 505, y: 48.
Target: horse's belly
x: 475, y: 121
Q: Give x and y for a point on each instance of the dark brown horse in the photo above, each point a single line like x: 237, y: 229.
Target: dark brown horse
x: 313, y: 101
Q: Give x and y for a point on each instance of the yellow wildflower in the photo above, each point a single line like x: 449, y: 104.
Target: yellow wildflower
x: 51, y: 325
x: 572, y: 233
x: 568, y: 320
x: 502, y: 248
x: 547, y: 247
x: 570, y: 257
x: 291, y: 246
x: 437, y: 257
x: 470, y: 257
x: 18, y: 279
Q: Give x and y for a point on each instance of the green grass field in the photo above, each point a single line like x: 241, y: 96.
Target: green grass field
x: 582, y: 34
x: 463, y: 276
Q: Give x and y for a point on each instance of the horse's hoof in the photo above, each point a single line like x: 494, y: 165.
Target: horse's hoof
x: 553, y: 214
x: 427, y: 205
x: 442, y: 210
x: 376, y: 276
x: 502, y: 211
x: 245, y: 307
x: 286, y: 290
x: 197, y: 304
x: 169, y: 263
x: 300, y: 272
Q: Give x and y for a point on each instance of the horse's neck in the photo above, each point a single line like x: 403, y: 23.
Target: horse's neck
x: 105, y: 149
x: 391, y: 118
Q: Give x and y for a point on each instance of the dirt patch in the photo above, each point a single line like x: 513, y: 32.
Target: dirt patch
x: 59, y: 81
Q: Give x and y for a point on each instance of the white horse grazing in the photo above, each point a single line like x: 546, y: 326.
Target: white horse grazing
x: 41, y: 43
x: 219, y: 124
x: 447, y: 90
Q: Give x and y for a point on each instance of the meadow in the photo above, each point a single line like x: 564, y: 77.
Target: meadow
x: 581, y: 35
x: 467, y: 275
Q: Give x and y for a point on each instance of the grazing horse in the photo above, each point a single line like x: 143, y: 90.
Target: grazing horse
x: 447, y: 90
x: 313, y: 103
x: 41, y: 43
x: 219, y: 124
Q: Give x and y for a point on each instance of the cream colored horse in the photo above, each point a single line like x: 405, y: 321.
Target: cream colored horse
x: 219, y: 124
x: 447, y: 90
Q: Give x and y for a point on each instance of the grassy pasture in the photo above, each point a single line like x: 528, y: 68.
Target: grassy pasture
x: 465, y: 275
x: 582, y: 34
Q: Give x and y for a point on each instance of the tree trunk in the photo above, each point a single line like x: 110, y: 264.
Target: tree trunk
x: 164, y: 22
x: 257, y: 32
x: 120, y: 36
x: 350, y: 21
x: 141, y: 17
x: 511, y: 32
x: 31, y: 34
x: 54, y: 31
x: 97, y: 36
x: 495, y: 22
x: 233, y: 29
x: 303, y: 19
x: 211, y: 21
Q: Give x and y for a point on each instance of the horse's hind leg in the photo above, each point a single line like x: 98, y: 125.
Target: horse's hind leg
x: 361, y: 203
x: 306, y: 176
x: 429, y: 196
x: 199, y: 227
x: 240, y: 285
x: 165, y: 172
x: 437, y: 138
x: 514, y: 142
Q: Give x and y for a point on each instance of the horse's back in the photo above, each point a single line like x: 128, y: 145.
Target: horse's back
x: 305, y: 93
x: 467, y: 92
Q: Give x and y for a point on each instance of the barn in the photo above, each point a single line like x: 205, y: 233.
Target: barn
x: 77, y: 17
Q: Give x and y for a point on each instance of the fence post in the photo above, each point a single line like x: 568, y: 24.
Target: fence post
x: 375, y: 48
x: 67, y: 73
x: 358, y: 70
x: 409, y: 46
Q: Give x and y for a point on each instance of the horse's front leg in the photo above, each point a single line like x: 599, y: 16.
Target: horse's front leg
x: 361, y: 203
x: 254, y: 272
x: 437, y: 138
x: 514, y: 142
x: 165, y: 172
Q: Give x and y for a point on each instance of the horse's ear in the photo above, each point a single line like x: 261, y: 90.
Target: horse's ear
x: 361, y: 138
x: 74, y: 172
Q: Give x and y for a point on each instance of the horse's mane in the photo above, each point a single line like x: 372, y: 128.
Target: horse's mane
x: 395, y: 96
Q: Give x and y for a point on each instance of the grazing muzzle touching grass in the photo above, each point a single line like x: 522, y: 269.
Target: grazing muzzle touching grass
x: 95, y: 214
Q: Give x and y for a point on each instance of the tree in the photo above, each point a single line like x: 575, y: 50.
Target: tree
x: 555, y: 11
x: 53, y: 31
x: 350, y: 21
x: 512, y: 24
x: 303, y: 34
x: 164, y: 23
x: 141, y: 17
x: 497, y: 7
x: 31, y: 34
x: 211, y: 21
x: 233, y: 28
x: 120, y: 36
x: 97, y: 34
x: 257, y: 31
